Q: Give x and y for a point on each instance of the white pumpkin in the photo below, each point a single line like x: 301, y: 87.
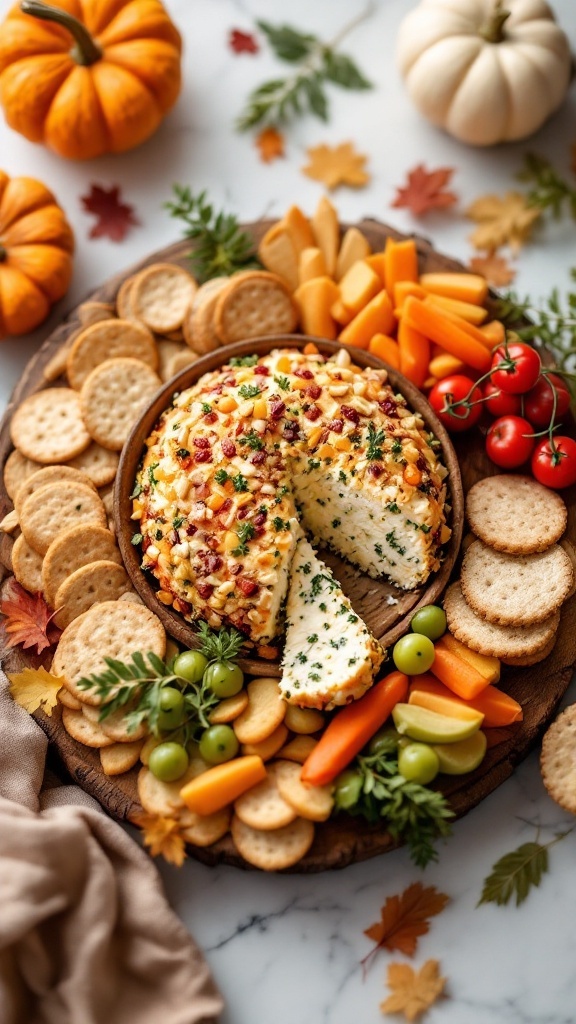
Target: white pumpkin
x: 484, y: 73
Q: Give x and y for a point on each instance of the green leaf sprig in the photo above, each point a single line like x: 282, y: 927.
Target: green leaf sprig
x: 412, y: 812
x: 519, y: 871
x: 280, y: 100
x: 552, y: 322
x: 220, y: 245
x: 549, y: 190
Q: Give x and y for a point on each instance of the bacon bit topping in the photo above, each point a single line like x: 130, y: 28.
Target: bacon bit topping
x: 388, y: 406
x: 213, y: 563
x: 210, y: 417
x: 201, y: 442
x: 260, y: 519
x: 304, y: 374
x: 421, y: 463
x: 203, y: 455
x: 205, y: 590
x: 291, y: 431
x: 248, y: 587
x: 228, y: 448
x: 226, y: 506
x: 336, y: 426
x: 235, y: 569
x: 313, y: 413
x: 191, y: 529
x: 375, y: 470
x: 350, y: 413
x: 314, y: 391
x: 277, y: 409
x: 182, y: 606
x: 262, y: 370
x: 258, y: 458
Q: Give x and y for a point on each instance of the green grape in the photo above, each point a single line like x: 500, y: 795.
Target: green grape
x: 171, y: 703
x: 218, y: 744
x: 224, y: 678
x: 168, y: 761
x: 429, y: 621
x: 418, y: 762
x: 413, y: 654
x: 348, y: 789
x: 190, y: 666
x: 385, y: 741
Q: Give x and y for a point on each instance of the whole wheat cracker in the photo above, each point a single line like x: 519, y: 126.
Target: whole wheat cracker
x: 262, y: 807
x: 558, y: 759
x: 17, y: 469
x: 120, y: 757
x: 531, y: 659
x: 49, y: 475
x: 55, y: 508
x: 73, y: 548
x: 98, y: 463
x: 114, y: 629
x: 515, y: 589
x: 161, y: 294
x: 538, y: 514
x: 27, y: 565
x: 48, y: 426
x: 113, y: 395
x: 255, y: 302
x: 488, y: 638
x: 109, y: 339
x: 570, y: 550
x: 198, y: 325
x: 86, y: 586
x: 274, y: 850
x: 204, y: 829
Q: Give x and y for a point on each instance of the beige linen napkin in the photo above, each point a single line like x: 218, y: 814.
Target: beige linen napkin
x: 86, y: 933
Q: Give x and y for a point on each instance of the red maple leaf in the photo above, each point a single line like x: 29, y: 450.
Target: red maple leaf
x: 115, y: 218
x: 242, y: 42
x: 425, y: 190
x: 28, y: 619
x: 404, y: 918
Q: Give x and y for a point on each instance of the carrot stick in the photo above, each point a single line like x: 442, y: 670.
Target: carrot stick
x: 466, y: 287
x: 439, y: 327
x: 458, y: 675
x: 499, y: 708
x: 466, y: 310
x: 400, y: 263
x: 376, y: 317
x: 351, y: 729
x: 444, y: 365
x: 402, y: 289
x: 385, y: 348
x: 222, y: 784
x: 414, y: 349
x: 464, y: 325
x: 494, y: 332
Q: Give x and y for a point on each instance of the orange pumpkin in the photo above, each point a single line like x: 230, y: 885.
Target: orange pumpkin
x: 88, y: 77
x: 36, y: 246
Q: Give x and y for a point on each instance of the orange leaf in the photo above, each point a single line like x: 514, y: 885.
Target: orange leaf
x: 337, y: 165
x: 405, y: 918
x: 494, y: 268
x: 425, y: 190
x: 28, y: 619
x: 270, y: 142
x: 162, y: 836
x: 413, y: 992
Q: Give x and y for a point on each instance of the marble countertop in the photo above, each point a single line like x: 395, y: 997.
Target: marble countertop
x: 288, y: 948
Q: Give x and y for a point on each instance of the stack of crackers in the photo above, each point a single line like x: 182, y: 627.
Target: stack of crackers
x: 516, y: 573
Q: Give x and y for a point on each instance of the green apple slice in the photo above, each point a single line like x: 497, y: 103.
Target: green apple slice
x: 462, y: 757
x: 430, y: 726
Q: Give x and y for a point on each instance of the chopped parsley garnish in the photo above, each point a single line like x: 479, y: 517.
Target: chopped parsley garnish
x: 323, y: 608
x: 424, y: 528
x: 396, y: 446
x: 391, y: 538
x: 253, y: 440
x: 336, y: 523
x: 245, y: 533
x: 137, y: 490
x: 177, y: 521
x: 342, y: 476
x: 280, y: 524
x: 301, y: 658
x: 206, y: 408
x: 393, y: 507
x: 249, y: 390
x: 159, y: 535
x: 307, y: 569
x: 378, y: 550
x: 314, y: 677
x: 283, y: 383
x: 376, y: 439
x: 244, y: 360
x: 136, y: 539
x: 352, y: 618
x: 151, y: 477
x: 221, y: 476
x: 313, y: 464
x: 240, y: 482
x: 312, y: 639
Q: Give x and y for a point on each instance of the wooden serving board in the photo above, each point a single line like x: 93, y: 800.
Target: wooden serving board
x: 342, y: 840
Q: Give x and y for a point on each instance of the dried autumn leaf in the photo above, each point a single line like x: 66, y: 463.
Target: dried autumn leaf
x: 242, y: 42
x: 405, y: 918
x: 503, y: 220
x: 28, y: 619
x: 494, y: 268
x: 413, y: 992
x: 162, y: 836
x: 426, y: 190
x: 337, y: 165
x: 270, y: 143
x: 35, y: 688
x: 114, y: 218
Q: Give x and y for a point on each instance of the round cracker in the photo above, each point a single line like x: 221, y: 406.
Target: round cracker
x: 123, y: 303
x: 120, y: 757
x: 269, y: 747
x: 57, y: 507
x: 489, y: 638
x: 48, y: 475
x: 97, y: 463
x: 263, y: 807
x: 109, y: 339
x: 298, y: 749
x: 229, y: 708
x: 276, y: 850
x: 558, y: 759
x: 160, y: 296
x: 198, y: 326
x: 90, y: 584
x: 531, y: 659
x: 166, y: 350
x: 255, y: 303
x: 113, y: 629
x: 92, y: 312
x: 164, y: 798
x: 81, y: 729
x: 313, y: 802
x: 17, y: 469
x: 180, y: 362
x: 570, y: 550
x: 204, y: 829
x: 48, y: 426
x: 73, y: 548
x: 515, y: 589
x: 68, y: 700
x: 265, y: 711
x: 114, y: 725
x: 27, y: 565
x: 538, y: 514
x: 113, y: 396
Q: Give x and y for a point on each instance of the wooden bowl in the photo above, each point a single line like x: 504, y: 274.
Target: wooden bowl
x: 385, y: 608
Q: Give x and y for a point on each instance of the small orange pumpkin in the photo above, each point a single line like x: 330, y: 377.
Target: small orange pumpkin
x: 88, y: 77
x: 36, y: 246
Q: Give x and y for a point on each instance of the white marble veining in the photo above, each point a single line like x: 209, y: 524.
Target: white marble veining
x: 287, y: 949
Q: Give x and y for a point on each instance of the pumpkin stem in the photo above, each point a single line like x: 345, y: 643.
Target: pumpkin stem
x: 493, y: 29
x: 86, y: 50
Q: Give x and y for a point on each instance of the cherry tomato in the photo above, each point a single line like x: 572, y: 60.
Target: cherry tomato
x: 555, y: 465
x: 515, y: 369
x: 499, y: 403
x: 454, y: 389
x: 539, y: 402
x: 509, y: 442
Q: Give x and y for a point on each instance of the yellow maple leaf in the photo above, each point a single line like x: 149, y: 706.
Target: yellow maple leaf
x: 337, y: 165
x: 502, y: 220
x: 162, y: 836
x: 413, y: 992
x: 35, y: 688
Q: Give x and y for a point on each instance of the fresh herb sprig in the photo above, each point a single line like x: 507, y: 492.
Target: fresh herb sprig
x: 220, y: 245
x: 412, y: 812
x: 517, y: 872
x: 549, y: 190
x: 551, y: 323
x: 376, y: 439
x: 280, y: 100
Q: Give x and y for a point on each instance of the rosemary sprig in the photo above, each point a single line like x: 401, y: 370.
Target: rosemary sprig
x: 280, y: 100
x: 549, y: 190
x: 519, y: 871
x: 220, y: 245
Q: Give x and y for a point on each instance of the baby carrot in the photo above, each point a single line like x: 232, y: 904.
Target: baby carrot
x: 219, y: 786
x: 438, y: 326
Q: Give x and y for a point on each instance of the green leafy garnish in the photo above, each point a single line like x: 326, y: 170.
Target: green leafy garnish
x: 376, y: 439
x: 223, y: 645
x: 244, y: 360
x: 280, y: 100
x: 552, y: 322
x: 220, y: 245
x: 549, y: 190
x: 245, y: 533
x: 249, y: 390
x: 252, y: 440
x: 519, y: 871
